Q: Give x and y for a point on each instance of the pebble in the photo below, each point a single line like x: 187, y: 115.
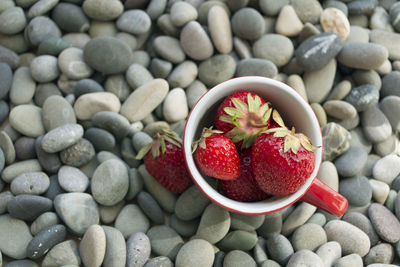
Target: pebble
x: 256, y: 67
x: 9, y: 57
x: 329, y: 252
x: 102, y: 28
x: 165, y: 241
x: 77, y: 210
x: 56, y: 111
x: 138, y: 249
x: 107, y: 55
x: 78, y: 154
x: 350, y: 238
x: 390, y: 40
x: 117, y: 85
x: 71, y: 63
x: 112, y: 122
x: 276, y: 48
x: 150, y: 207
x: 131, y: 220
x: 185, y: 228
x: 144, y: 100
x: 351, y: 162
x: 317, y: 218
x: 380, y: 190
x: 156, y: 8
x: 43, y: 222
x: 204, y: 8
x: 6, y: 78
x: 92, y: 247
x: 21, y: 263
x: 272, y: 8
x: 247, y: 23
x: 115, y: 254
x: 182, y: 13
x: 108, y: 214
x: 152, y: 128
x: 390, y: 200
x: 63, y: 253
x: 18, y: 168
x: 358, y: 34
x: 386, y: 169
x: 7, y: 147
x: 288, y: 23
x: 246, y: 222
x: 385, y: 223
x: 160, y: 68
x: 305, y: 257
x: 43, y: 241
x: 135, y: 184
x: 134, y: 21
x: 362, y: 7
x: 62, y: 137
x: 24, y: 148
x: 50, y: 162
x: 259, y: 251
x: 307, y: 10
x: 350, y: 260
x: 41, y: 8
x: 382, y: 253
x: 279, y: 248
x: 70, y: 18
x: 191, y: 204
x: 137, y: 75
x: 317, y: 90
x: 78, y: 40
x: 5, y: 197
x: 340, y: 109
x: 308, y: 236
x: 15, y: 240
x: 220, y: 29
x: 238, y: 240
x: 334, y: 20
x: 12, y: 20
x: 376, y: 126
x: 362, y: 55
x: 297, y: 218
x: 140, y: 139
x: 100, y: 139
x: 214, y: 224
x: 23, y: 87
x: 88, y: 105
x: 217, y: 69
x: 33, y: 183
x: 175, y: 106
x: 160, y: 261
x: 362, y: 222
x: 102, y: 9
x: 27, y: 120
x: 170, y: 49
x: 388, y: 82
x: 28, y: 207
x: 363, y: 97
x: 270, y: 263
x: 328, y: 174
x: 195, y: 41
x: 238, y: 258
x: 196, y: 252
x: 141, y: 57
x: 183, y: 74
x: 72, y: 179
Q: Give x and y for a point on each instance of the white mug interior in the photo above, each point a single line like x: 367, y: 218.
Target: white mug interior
x: 293, y: 108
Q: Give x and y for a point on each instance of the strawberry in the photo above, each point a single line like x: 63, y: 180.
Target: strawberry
x: 281, y: 159
x: 242, y: 116
x: 164, y: 160
x: 244, y: 188
x: 215, y: 155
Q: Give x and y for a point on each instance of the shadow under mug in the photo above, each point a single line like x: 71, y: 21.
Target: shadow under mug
x: 295, y: 112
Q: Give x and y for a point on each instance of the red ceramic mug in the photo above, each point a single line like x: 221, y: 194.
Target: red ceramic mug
x: 295, y: 112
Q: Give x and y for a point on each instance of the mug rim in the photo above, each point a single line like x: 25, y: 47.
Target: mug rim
x: 303, y: 189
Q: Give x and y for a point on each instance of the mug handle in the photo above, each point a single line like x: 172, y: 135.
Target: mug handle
x: 325, y: 198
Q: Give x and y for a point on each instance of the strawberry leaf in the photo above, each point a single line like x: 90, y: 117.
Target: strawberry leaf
x: 143, y: 151
x: 232, y: 111
x: 240, y: 105
x: 277, y: 118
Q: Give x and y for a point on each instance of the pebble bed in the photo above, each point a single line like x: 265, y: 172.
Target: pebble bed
x: 85, y: 84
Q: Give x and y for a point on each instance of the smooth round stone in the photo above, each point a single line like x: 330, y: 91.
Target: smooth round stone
x: 86, y: 86
x: 393, y: 15
x: 182, y: 12
x: 49, y: 161
x: 92, y: 247
x: 160, y: 68
x: 183, y: 74
x: 271, y: 7
x: 41, y: 8
x: 78, y: 40
x: 100, y: 139
x: 160, y: 261
x: 135, y: 184
x: 141, y: 57
x: 63, y: 253
x: 5, y: 197
x: 380, y: 190
x: 52, y: 46
x: 184, y: 228
x: 6, y: 79
x: 78, y: 154
x: 307, y: 10
x: 165, y: 24
x: 288, y: 23
x: 372, y: 77
x: 259, y: 251
x: 308, y: 236
x: 388, y: 84
x: 163, y: 196
x: 108, y: 214
x: 376, y: 126
x: 14, y: 238
x: 144, y: 100
x: 317, y: 90
x: 33, y: 183
x: 4, y: 110
x: 387, y: 39
x: 156, y: 8
x: 110, y: 182
x: 386, y: 169
x: 242, y: 48
x: 9, y: 57
x: 349, y: 260
x: 168, y: 48
x: 25, y: 148
x: 316, y: 51
x: 21, y: 263
x: 217, y: 69
x: 77, y: 210
x: 150, y: 207
x: 72, y: 179
x: 44, y: 68
x: 363, y: 97
x: 194, y: 92
x: 329, y: 252
x: 44, y: 91
x: 362, y: 222
x: 131, y: 220
x: 23, y: 87
x: 12, y: 20
x: 70, y: 17
x: 117, y: 85
x: 134, y: 21
x: 270, y: 263
x: 113, y: 122
x: 306, y: 258
x: 140, y: 139
x: 279, y: 248
x: 382, y: 253
x: 387, y: 146
x: 137, y: 75
x: 71, y: 63
x: 115, y: 254
x: 317, y: 218
x: 195, y: 41
x: 155, y: 127
x: 362, y: 7
x: 389, y: 106
x: 358, y: 34
x: 220, y: 29
x: 196, y: 252
x: 138, y: 249
x: 358, y: 140
x: 247, y: 23
x: 385, y: 223
x: 102, y: 28
x: 339, y: 109
x: 164, y: 241
x: 320, y: 113
x: 336, y: 4
x: 88, y: 105
x: 108, y: 55
x: 362, y: 55
x: 103, y: 9
x: 45, y: 240
x: 350, y: 238
x: 43, y: 222
x: 62, y: 137
x: 238, y: 258
x: 40, y: 28
x: 297, y: 218
x: 28, y: 207
x: 175, y: 106
x: 276, y: 48
x: 214, y: 224
x: 390, y: 200
x: 334, y: 20
x: 246, y: 222
x: 351, y: 162
x: 256, y: 67
x: 238, y: 239
x: 191, y: 204
x: 357, y: 190
x: 18, y: 168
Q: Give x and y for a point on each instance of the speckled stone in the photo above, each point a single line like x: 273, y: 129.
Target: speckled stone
x: 78, y: 154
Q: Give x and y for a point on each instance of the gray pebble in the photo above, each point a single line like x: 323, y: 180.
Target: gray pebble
x: 93, y: 246
x: 363, y: 97
x: 375, y: 125
x: 196, y: 252
x: 362, y: 55
x: 362, y: 7
x: 305, y: 257
x: 358, y: 34
x: 12, y: 20
x: 195, y: 41
x: 41, y: 8
x: 385, y: 223
x: 131, y: 220
x: 175, y: 106
x: 56, y: 112
x: 72, y: 179
x: 276, y: 48
x: 328, y: 174
x: 44, y: 68
x: 15, y: 169
x: 217, y: 69
x: 33, y: 183
x: 170, y: 49
x: 270, y: 263
x: 135, y: 184
x: 102, y: 10
x: 100, y: 139
x: 336, y: 4
x: 307, y: 10
x: 63, y: 253
x: 141, y: 57
x: 21, y: 263
x: 6, y: 78
x: 259, y: 251
x: 164, y: 241
x: 386, y: 169
x: 45, y: 240
x: 160, y: 261
x: 78, y: 154
x: 388, y: 84
x: 247, y: 23
x: 44, y: 221
x: 387, y: 146
x: 329, y: 252
x: 256, y: 67
x: 380, y: 190
x: 52, y: 46
x: 381, y: 253
x: 297, y: 218
x: 150, y: 207
x: 349, y: 260
x: 86, y: 86
x: 317, y: 218
x: 25, y: 148
x: 54, y: 188
x: 115, y: 247
x: 134, y: 21
x: 5, y: 197
x: 191, y: 204
x: 279, y: 249
x: 62, y: 137
x: 390, y: 201
x: 113, y: 122
x: 361, y: 221
x: 182, y: 12
x: 308, y: 236
x: 246, y: 222
x: 194, y: 92
x: 214, y: 224
x: 156, y: 8
x: 108, y: 214
x: 315, y: 88
x: 28, y: 207
x: 238, y: 240
x: 357, y: 190
x: 49, y: 161
x: 204, y: 8
x: 137, y: 75
x: 138, y: 249
x: 372, y: 77
x: 237, y: 258
x: 387, y: 39
x: 26, y: 119
x: 339, y: 109
x: 23, y: 87
x: 272, y: 8
x: 70, y: 17
x: 351, y: 162
x: 160, y: 68
x: 389, y: 106
x: 183, y: 74
x: 184, y: 228
x: 40, y: 28
x: 7, y: 147
x: 9, y: 57
x: 15, y: 237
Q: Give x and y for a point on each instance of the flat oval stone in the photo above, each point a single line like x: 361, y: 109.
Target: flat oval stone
x: 41, y: 8
x: 238, y: 240
x: 288, y: 23
x: 102, y: 9
x: 351, y: 162
x: 357, y: 190
x: 77, y: 210
x: 33, y: 183
x: 159, y: 261
x: 15, y: 237
x: 6, y: 78
x: 247, y: 23
x: 56, y: 112
x: 175, y: 106
x: 317, y: 90
x: 117, y: 85
x: 183, y: 74
x: 214, y: 224
x: 334, y: 20
x: 362, y: 55
x: 164, y: 241
x: 108, y: 55
x: 376, y: 126
x: 45, y: 240
x: 191, y: 204
x: 388, y: 84
x: 204, y: 9
x: 279, y: 248
x: 72, y: 179
x: 7, y: 147
x: 274, y: 47
x: 27, y: 119
x: 44, y: 68
x: 363, y: 97
x: 150, y: 207
x: 138, y: 249
x: 385, y: 223
x: 144, y: 100
x: 89, y: 104
x: 390, y: 40
x: 386, y: 169
x: 307, y: 10
x: 63, y: 253
x: 49, y: 161
x: 131, y: 220
x: 246, y: 222
x: 44, y: 221
x: 256, y: 67
x: 100, y: 139
x: 92, y: 247
x: 297, y: 218
x: 195, y: 41
x: 182, y: 13
x: 196, y: 252
x: 108, y: 214
x: 168, y: 48
x: 340, y: 109
x: 305, y: 257
x: 23, y: 87
x: 71, y: 63
x: 134, y: 21
x: 217, y: 69
x: 5, y: 197
x: 184, y: 228
x: 238, y: 258
x: 20, y: 167
x: 62, y: 137
x: 113, y: 122
x: 110, y: 182
x: 78, y: 154
x: 382, y: 253
x: 220, y: 29
x: 70, y: 17
x: 362, y: 7
x: 329, y: 252
x: 308, y: 236
x: 28, y: 207
x: 22, y: 263
x: 361, y: 221
x: 12, y: 20
x: 115, y: 247
x: 137, y: 75
x: 380, y: 190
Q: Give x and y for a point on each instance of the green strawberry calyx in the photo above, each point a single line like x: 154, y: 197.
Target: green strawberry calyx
x: 159, y: 143
x: 250, y: 119
x: 292, y: 140
x: 207, y: 132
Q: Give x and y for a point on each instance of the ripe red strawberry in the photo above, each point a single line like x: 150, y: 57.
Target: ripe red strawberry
x: 242, y: 116
x: 244, y: 188
x: 215, y: 155
x: 282, y: 160
x: 168, y: 165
